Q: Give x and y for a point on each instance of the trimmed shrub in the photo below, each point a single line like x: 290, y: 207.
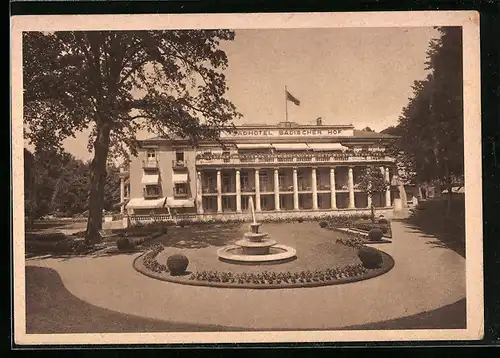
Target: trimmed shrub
x: 177, y: 264
x: 47, y: 237
x: 375, y: 234
x: 323, y: 224
x: 183, y: 223
x: 124, y: 243
x: 383, y: 221
x: 300, y: 220
x: 370, y: 257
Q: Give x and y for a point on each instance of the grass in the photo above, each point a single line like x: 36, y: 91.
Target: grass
x: 316, y: 248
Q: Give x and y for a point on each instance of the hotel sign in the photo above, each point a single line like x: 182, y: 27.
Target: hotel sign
x: 279, y: 133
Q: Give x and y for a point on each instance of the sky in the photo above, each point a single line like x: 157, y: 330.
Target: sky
x: 358, y: 76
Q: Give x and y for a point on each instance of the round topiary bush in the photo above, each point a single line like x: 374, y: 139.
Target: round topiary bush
x: 383, y: 221
x: 370, y: 257
x: 177, y: 264
x: 323, y: 224
x: 300, y: 220
x: 365, y: 216
x: 375, y: 234
x: 124, y: 243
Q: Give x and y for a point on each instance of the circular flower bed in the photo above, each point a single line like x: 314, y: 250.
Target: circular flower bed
x: 149, y: 266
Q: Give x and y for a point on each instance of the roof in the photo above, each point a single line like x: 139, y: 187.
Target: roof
x: 359, y: 134
x: 372, y: 135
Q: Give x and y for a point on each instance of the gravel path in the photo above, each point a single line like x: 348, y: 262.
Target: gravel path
x: 425, y: 277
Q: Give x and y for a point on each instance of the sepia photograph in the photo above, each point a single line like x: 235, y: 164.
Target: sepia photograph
x: 247, y: 178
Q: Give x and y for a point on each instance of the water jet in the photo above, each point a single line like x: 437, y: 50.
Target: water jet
x: 256, y: 247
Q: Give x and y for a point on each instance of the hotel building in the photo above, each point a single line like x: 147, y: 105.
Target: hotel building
x: 288, y: 169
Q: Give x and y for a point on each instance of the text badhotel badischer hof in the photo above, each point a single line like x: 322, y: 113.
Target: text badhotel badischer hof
x: 265, y: 133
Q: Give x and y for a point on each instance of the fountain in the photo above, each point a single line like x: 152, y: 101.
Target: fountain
x: 256, y: 247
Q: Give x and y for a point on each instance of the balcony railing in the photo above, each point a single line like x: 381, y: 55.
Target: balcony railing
x: 290, y: 158
x: 179, y: 164
x: 150, y: 163
x: 151, y: 195
x: 208, y: 190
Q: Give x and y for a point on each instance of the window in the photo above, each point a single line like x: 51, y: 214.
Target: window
x: 179, y: 156
x: 263, y: 181
x: 226, y: 183
x: 244, y: 203
x: 181, y: 189
x: 151, y: 154
x: 282, y: 202
x: 281, y: 177
x: 152, y: 190
x: 244, y: 182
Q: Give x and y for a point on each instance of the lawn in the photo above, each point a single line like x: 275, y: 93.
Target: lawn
x: 316, y: 247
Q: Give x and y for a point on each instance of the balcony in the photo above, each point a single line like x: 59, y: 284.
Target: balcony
x: 291, y: 158
x: 179, y: 164
x: 181, y: 195
x: 150, y: 164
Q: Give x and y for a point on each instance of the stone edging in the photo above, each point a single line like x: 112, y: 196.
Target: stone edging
x: 388, y: 264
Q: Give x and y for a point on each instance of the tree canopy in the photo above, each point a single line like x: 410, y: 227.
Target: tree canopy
x: 59, y: 183
x: 118, y: 82
x: 430, y: 148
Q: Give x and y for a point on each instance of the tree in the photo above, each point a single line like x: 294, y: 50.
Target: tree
x: 430, y: 148
x: 30, y: 187
x: 117, y: 82
x: 372, y: 181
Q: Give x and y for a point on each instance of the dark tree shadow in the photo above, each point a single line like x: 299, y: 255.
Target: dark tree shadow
x: 200, y: 236
x: 432, y: 219
x: 451, y: 316
x: 51, y: 308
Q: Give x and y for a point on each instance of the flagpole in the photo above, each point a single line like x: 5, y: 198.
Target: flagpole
x: 286, y: 107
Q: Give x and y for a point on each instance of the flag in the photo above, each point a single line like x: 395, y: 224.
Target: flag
x: 291, y: 98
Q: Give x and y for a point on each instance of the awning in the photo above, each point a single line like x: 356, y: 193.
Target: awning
x: 178, y: 178
x: 150, y: 179
x: 326, y: 146
x: 254, y: 146
x: 180, y: 203
x: 290, y: 146
x: 141, y: 203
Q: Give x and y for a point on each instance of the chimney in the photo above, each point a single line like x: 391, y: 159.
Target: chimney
x: 318, y: 121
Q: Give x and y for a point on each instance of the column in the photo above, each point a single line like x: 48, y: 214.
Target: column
x: 350, y: 177
x: 238, y: 191
x: 122, y: 193
x: 219, y: 192
x: 314, y: 185
x: 257, y: 190
x: 276, y: 190
x: 388, y: 189
x: 333, y: 197
x: 199, y: 194
x: 369, y: 201
x: 295, y: 190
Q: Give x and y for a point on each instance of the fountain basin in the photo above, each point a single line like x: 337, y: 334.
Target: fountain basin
x: 276, y: 254
x: 255, y: 237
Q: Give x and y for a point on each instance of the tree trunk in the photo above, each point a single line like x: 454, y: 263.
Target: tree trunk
x: 97, y: 181
x: 372, y: 212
